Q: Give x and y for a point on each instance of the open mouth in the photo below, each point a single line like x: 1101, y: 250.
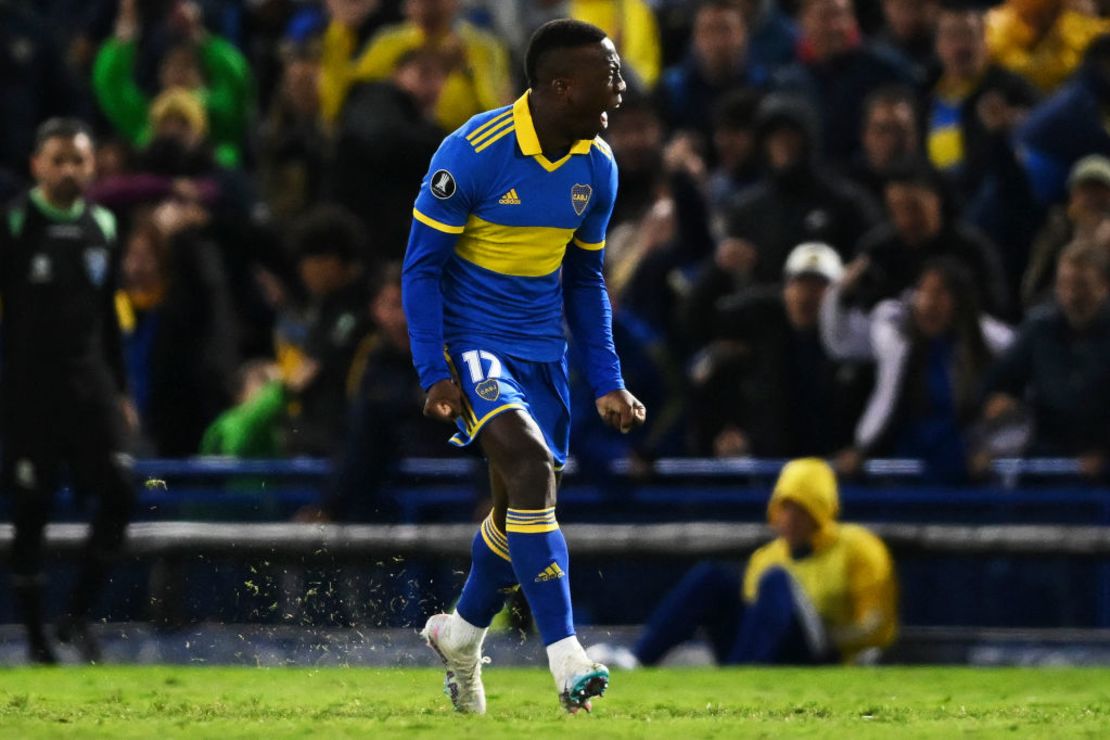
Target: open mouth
x: 604, y: 119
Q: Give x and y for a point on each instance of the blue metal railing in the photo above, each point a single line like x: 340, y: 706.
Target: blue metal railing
x: 314, y: 468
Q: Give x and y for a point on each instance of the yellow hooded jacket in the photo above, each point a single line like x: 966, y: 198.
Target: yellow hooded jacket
x: 1046, y: 60
x: 849, y: 576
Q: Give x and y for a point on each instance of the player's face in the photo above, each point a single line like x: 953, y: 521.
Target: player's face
x: 594, y: 89
x: 64, y: 167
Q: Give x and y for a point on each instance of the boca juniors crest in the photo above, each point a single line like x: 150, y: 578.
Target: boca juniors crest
x: 580, y: 197
x: 96, y: 264
x: 489, y: 389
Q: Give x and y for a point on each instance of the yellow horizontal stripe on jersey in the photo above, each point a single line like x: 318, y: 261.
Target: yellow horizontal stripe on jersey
x: 488, y: 125
x: 437, y: 225
x: 591, y: 246
x: 520, y: 251
x: 531, y: 528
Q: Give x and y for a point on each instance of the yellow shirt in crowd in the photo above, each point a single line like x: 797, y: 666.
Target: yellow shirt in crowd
x: 480, y: 82
x: 849, y: 578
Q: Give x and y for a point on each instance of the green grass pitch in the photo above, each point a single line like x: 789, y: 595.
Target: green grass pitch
x: 165, y: 701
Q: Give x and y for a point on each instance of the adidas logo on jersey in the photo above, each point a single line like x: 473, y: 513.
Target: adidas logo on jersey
x: 510, y: 198
x: 550, y: 573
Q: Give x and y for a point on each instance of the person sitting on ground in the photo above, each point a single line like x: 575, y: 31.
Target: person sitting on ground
x: 821, y: 592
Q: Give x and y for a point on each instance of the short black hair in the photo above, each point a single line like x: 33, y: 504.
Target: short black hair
x: 564, y: 33
x: 329, y: 230
x: 60, y: 128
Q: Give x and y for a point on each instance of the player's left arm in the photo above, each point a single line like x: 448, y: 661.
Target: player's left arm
x: 590, y: 314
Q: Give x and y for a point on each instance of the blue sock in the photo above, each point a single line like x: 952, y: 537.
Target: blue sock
x: 491, y: 576
x: 543, y: 569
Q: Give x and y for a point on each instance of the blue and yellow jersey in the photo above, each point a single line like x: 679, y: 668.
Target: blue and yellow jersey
x: 509, y: 237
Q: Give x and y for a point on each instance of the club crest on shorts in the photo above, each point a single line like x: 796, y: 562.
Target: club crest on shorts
x: 580, y: 197
x: 96, y: 264
x: 489, y: 389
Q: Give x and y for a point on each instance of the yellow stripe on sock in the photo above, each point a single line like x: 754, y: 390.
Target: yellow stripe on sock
x: 494, y: 532
x: 503, y: 554
x: 531, y: 528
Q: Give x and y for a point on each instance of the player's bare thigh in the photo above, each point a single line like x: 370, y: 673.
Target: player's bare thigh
x: 522, y: 472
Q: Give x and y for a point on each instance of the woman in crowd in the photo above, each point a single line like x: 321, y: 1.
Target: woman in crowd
x: 931, y: 348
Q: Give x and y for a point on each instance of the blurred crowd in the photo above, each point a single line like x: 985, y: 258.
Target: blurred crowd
x: 845, y: 230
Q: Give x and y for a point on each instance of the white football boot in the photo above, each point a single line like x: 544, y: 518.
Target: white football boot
x: 463, y: 682
x: 578, y: 679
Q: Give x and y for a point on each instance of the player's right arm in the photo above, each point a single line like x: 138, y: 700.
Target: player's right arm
x: 439, y: 216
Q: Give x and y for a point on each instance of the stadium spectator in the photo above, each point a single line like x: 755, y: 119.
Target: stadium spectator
x: 384, y: 138
x: 291, y: 141
x: 328, y: 242
x: 1042, y: 40
x: 734, y: 146
x: 772, y: 34
x: 632, y: 26
x: 821, y: 592
x: 891, y: 135
x: 797, y: 200
x: 1084, y: 218
x: 718, y: 61
x: 177, y: 320
x: 384, y: 421
x: 1069, y: 125
x: 35, y: 85
x: 837, y: 69
x: 972, y: 111
x: 637, y: 136
x: 931, y: 349
x: 250, y: 428
x: 206, y: 65
x: 974, y: 105
x: 908, y: 28
x: 765, y: 385
x: 478, y: 62
x: 1059, y: 363
x: 921, y: 226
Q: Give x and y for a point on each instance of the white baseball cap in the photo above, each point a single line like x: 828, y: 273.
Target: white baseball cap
x: 814, y: 258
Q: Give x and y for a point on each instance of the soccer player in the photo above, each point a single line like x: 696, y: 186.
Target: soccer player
x: 62, y: 399
x: 508, y: 240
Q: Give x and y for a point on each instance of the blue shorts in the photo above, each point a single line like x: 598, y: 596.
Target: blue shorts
x: 494, y: 383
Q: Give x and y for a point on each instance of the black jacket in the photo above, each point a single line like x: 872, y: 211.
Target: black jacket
x: 1062, y: 374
